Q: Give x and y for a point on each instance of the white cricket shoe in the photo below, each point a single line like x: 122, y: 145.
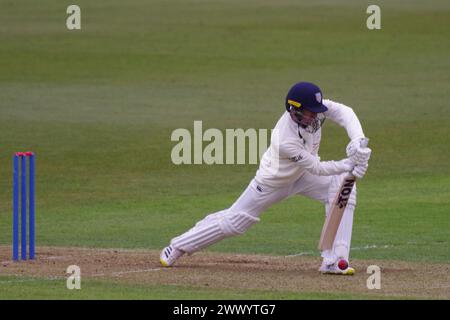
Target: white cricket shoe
x: 169, y: 255
x: 337, y: 268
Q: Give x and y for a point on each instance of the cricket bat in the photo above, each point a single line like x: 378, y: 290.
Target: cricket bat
x: 334, y: 218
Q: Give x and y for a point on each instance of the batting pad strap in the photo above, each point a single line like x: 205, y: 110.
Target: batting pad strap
x: 235, y: 223
x: 211, y: 218
x: 352, y: 200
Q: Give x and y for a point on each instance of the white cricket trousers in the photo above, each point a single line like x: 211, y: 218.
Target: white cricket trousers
x: 257, y: 198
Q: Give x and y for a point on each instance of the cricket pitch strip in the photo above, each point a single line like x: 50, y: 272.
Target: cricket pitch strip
x: 399, y: 279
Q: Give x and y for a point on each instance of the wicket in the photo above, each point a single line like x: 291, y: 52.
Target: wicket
x: 22, y: 156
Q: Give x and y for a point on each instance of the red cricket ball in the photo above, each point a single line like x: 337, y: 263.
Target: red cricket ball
x: 343, y: 264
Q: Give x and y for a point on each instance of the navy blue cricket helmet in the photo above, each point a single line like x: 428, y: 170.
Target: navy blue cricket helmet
x: 305, y: 95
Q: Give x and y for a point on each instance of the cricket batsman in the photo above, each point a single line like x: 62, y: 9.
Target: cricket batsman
x: 291, y: 166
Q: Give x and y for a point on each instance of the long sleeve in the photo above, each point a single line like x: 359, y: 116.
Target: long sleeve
x: 345, y: 117
x: 312, y: 163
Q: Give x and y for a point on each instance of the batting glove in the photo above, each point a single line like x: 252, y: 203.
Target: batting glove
x: 361, y: 156
x: 353, y: 145
x: 360, y: 170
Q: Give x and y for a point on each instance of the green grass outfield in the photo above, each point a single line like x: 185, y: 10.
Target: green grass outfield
x: 33, y: 288
x: 98, y: 107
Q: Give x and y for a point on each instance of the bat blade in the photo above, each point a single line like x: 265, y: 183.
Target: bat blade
x: 334, y: 217
x: 337, y: 209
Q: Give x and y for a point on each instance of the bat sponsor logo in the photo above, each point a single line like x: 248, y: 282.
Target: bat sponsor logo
x: 344, y: 195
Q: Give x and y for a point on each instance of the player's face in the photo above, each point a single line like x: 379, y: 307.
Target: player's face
x: 308, y: 118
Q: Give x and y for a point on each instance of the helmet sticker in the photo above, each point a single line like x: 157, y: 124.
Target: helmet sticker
x: 319, y: 97
x: 295, y: 103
